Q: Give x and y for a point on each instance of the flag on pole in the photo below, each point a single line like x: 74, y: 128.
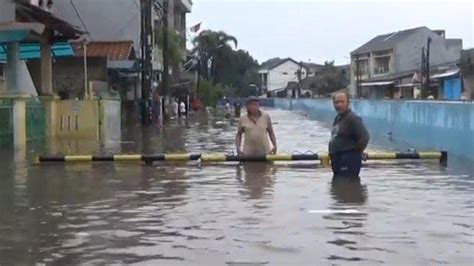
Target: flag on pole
x: 196, y: 27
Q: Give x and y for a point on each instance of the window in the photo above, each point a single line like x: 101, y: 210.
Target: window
x: 285, y: 73
x: 381, y: 65
x: 363, y: 67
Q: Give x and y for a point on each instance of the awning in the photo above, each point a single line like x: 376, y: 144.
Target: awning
x: 33, y: 51
x: 17, y: 31
x: 408, y: 85
x: 127, y: 65
x: 26, y: 12
x: 278, y: 90
x: 377, y: 83
x: 446, y: 74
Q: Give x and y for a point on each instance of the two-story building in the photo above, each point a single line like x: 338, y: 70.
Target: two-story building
x: 390, y: 65
x: 277, y: 74
x: 467, y: 71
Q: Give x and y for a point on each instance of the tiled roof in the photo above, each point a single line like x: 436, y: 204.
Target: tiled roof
x: 112, y: 50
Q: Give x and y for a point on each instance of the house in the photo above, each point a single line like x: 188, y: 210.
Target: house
x: 121, y: 65
x: 29, y: 31
x: 275, y: 74
x: 111, y: 70
x: 390, y: 65
x: 467, y: 72
x: 118, y: 20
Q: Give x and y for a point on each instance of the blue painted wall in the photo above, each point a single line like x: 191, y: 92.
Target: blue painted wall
x: 452, y: 89
x: 430, y: 125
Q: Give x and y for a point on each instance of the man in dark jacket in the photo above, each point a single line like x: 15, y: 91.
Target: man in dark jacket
x: 349, y: 138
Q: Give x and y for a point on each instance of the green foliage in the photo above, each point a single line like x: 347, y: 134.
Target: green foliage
x: 239, y: 71
x: 175, y: 45
x: 210, y: 93
x: 213, y: 48
x: 236, y: 70
x: 328, y: 80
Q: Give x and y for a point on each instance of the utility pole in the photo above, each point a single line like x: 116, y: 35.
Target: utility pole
x: 423, y: 71
x: 86, y: 87
x: 357, y: 75
x: 300, y: 77
x: 146, y: 69
x: 166, y: 78
x: 428, y: 88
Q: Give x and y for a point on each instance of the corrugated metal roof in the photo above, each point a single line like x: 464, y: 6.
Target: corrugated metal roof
x: 113, y: 50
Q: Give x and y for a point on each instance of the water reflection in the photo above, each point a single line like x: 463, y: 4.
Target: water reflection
x: 173, y: 213
x: 348, y: 191
x: 256, y: 178
x: 348, y: 219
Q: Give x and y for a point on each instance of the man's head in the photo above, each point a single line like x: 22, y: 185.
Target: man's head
x: 253, y: 105
x: 341, y: 101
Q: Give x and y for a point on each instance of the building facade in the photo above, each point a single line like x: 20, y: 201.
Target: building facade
x: 389, y: 65
x: 275, y: 74
x: 467, y: 72
x: 120, y: 20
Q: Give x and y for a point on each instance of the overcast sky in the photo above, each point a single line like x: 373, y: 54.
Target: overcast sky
x: 320, y: 30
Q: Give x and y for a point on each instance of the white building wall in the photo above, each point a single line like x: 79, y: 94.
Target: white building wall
x: 280, y: 76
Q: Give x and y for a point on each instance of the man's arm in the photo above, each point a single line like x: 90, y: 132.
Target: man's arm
x: 238, y: 138
x: 361, y: 134
x: 271, y: 133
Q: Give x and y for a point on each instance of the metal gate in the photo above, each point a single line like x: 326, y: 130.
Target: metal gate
x: 35, y: 120
x: 6, y: 124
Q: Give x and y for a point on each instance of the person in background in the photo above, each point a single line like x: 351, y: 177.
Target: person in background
x: 227, y: 109
x: 257, y: 128
x: 349, y: 138
x: 182, y: 109
x: 237, y: 108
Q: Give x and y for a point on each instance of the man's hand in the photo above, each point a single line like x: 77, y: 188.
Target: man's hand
x: 274, y: 150
x: 365, y: 156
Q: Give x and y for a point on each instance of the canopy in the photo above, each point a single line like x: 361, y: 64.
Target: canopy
x: 33, y: 51
x: 377, y: 83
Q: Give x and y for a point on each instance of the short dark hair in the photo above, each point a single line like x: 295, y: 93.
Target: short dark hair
x: 348, y: 97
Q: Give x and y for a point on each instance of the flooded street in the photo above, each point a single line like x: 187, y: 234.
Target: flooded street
x: 218, y: 214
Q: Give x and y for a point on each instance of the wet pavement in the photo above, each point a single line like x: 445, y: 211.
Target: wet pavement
x: 229, y: 214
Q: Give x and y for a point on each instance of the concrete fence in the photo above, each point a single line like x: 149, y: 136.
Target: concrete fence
x: 97, y: 119
x: 435, y: 125
x: 24, y: 118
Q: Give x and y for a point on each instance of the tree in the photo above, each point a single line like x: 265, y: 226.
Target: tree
x: 328, y: 80
x: 213, y: 49
x: 175, y: 49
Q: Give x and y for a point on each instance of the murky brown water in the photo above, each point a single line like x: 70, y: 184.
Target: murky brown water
x: 218, y: 214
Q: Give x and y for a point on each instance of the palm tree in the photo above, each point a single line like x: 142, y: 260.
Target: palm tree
x: 213, y: 47
x: 175, y: 49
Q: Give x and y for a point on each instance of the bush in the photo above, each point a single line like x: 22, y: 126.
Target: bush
x: 209, y: 93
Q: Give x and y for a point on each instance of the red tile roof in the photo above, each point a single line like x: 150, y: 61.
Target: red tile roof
x: 113, y: 50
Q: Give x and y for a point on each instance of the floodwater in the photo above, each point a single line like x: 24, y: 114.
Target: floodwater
x: 229, y: 214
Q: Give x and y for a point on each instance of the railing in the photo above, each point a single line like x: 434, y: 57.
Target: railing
x: 6, y: 124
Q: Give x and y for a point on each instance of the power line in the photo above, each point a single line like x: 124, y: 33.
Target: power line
x: 80, y: 18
